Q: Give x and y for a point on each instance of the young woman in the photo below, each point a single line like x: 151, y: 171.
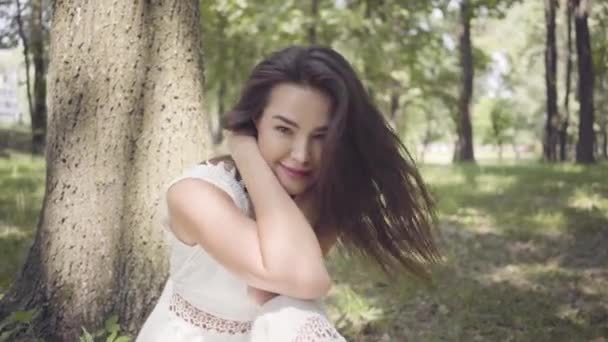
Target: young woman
x: 312, y: 162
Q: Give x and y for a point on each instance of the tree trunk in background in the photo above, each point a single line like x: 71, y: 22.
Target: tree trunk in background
x: 565, y: 122
x: 604, y: 147
x: 39, y: 113
x: 218, y: 133
x: 26, y: 59
x: 125, y: 116
x: 312, y: 29
x: 463, y: 150
x: 550, y: 136
x: 586, y: 135
x: 394, y: 110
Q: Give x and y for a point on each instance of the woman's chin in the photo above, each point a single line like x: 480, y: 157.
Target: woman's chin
x: 293, y: 191
x: 293, y: 187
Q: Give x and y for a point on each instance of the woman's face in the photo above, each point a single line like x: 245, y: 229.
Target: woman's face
x: 291, y: 131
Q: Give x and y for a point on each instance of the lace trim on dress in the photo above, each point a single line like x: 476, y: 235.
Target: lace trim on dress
x: 206, y: 321
x: 317, y: 329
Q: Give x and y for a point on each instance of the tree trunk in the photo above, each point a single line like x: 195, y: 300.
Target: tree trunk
x: 463, y: 151
x: 515, y: 150
x: 394, y: 110
x: 604, y: 147
x: 312, y: 29
x: 26, y: 58
x: 550, y: 137
x: 565, y: 122
x: 500, y: 150
x: 39, y: 114
x: 125, y: 94
x: 218, y: 134
x: 586, y: 135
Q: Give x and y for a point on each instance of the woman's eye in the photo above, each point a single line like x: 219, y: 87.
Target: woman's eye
x: 320, y: 136
x: 282, y: 129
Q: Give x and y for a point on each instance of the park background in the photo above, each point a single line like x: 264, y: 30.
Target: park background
x: 502, y: 104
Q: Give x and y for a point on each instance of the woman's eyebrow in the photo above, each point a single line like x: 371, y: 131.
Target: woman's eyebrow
x: 292, y: 123
x: 285, y: 120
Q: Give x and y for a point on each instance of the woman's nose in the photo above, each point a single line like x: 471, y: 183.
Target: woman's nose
x: 300, y: 151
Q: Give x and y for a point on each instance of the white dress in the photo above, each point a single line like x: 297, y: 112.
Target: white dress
x: 203, y: 302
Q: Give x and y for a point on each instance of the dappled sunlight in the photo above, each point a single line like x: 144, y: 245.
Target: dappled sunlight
x: 595, y: 281
x: 548, y: 222
x: 525, y: 276
x: 12, y: 233
x: 472, y: 219
x: 512, y: 274
x: 571, y: 168
x: 570, y: 313
x: 351, y: 311
x: 585, y: 200
x: 494, y: 183
x: 442, y: 175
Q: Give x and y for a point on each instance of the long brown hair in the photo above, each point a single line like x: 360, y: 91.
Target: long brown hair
x: 369, y: 188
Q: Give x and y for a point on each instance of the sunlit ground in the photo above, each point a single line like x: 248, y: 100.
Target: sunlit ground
x: 524, y: 245
x: 526, y: 260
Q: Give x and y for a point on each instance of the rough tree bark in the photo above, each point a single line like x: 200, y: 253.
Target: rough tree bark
x: 463, y: 150
x: 125, y: 116
x: 586, y: 135
x: 550, y: 136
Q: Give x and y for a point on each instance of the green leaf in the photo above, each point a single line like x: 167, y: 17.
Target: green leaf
x: 86, y: 337
x: 111, y: 324
x: 99, y: 333
x: 24, y: 317
x: 112, y: 337
x: 5, y: 323
x: 5, y: 335
x: 124, y: 339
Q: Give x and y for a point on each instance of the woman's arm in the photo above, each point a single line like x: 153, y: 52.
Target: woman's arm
x: 327, y: 240
x: 279, y: 252
x: 287, y: 239
x: 326, y: 236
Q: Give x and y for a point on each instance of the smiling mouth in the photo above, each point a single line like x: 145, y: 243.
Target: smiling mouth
x: 295, y: 173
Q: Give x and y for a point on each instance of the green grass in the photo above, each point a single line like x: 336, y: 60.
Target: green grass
x: 22, y: 189
x: 525, y: 260
x: 524, y: 245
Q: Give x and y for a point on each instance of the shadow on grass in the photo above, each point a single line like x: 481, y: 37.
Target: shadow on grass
x: 18, y: 139
x: 561, y: 209
x: 525, y: 261
x: 482, y: 293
